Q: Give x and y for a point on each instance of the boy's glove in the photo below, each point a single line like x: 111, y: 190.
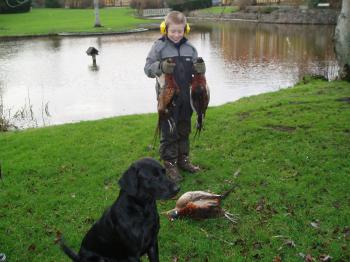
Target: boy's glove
x: 167, y: 66
x: 199, y: 67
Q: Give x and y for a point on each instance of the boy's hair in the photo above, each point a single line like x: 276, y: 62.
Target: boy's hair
x: 175, y: 17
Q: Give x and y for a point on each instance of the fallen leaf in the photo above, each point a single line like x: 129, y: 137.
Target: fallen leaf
x: 0, y: 171
x: 58, y: 237
x: 289, y: 243
x: 325, y: 258
x: 277, y: 259
x: 309, y: 258
x: 315, y: 224
x: 236, y: 174
x: 259, y: 207
x: 32, y: 247
x: 346, y: 231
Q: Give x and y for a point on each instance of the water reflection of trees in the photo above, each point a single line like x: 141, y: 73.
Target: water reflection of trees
x: 248, y: 41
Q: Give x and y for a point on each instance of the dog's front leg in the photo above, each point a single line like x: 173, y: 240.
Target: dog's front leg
x: 152, y: 252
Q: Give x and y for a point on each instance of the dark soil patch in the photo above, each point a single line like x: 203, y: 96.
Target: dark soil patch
x: 243, y: 115
x: 282, y: 128
x: 344, y: 99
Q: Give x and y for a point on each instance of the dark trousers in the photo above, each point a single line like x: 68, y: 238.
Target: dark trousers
x: 175, y: 142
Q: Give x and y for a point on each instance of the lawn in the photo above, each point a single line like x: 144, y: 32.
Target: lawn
x: 53, y: 21
x: 292, y: 195
x: 219, y: 10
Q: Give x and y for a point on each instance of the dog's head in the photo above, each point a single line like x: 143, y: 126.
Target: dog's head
x: 146, y: 179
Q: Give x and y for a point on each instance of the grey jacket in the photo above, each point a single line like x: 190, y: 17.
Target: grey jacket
x: 183, y: 53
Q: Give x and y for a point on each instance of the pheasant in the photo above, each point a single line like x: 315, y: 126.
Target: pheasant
x: 200, y: 96
x: 168, y: 89
x: 200, y: 205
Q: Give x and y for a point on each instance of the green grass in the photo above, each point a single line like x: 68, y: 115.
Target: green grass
x: 292, y: 148
x: 53, y: 21
x: 219, y: 10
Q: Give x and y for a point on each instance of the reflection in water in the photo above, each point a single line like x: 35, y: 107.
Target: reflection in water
x: 242, y: 59
x: 94, y: 68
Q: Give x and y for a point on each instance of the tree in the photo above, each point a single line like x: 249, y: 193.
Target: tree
x: 97, y: 14
x: 342, y: 41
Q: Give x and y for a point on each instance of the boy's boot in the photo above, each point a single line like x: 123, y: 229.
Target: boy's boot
x: 171, y: 170
x: 186, y: 165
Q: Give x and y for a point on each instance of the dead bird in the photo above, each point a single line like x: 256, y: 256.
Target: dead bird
x: 200, y: 205
x: 168, y: 88
x: 200, y: 96
x: 167, y: 91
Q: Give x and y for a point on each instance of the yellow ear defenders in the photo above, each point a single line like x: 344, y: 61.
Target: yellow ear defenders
x: 163, y: 28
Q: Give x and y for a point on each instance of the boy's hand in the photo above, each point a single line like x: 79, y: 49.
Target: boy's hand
x: 167, y: 66
x: 199, y: 67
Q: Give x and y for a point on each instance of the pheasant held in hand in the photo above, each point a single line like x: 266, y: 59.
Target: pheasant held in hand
x: 200, y: 96
x: 168, y: 88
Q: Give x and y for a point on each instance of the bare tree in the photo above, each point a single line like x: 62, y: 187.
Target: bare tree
x: 97, y: 14
x: 342, y: 40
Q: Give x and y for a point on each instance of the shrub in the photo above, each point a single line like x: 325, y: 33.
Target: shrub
x: 145, y: 4
x: 242, y: 4
x: 313, y: 3
x: 188, y: 5
x: 12, y: 6
x: 268, y: 9
x: 38, y: 3
x: 53, y: 3
x: 82, y: 3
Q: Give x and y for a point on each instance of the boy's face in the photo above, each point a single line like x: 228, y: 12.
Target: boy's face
x: 176, y: 32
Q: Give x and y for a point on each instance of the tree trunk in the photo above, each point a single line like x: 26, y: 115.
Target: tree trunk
x: 97, y: 14
x: 342, y: 41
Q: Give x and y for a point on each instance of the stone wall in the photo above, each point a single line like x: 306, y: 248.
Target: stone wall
x: 284, y: 15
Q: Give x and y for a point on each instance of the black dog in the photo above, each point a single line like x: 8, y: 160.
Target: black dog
x: 129, y: 228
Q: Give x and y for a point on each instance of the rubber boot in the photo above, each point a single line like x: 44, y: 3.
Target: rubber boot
x: 171, y: 171
x: 186, y: 165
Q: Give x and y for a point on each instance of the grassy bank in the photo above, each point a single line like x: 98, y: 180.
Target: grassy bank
x: 53, y: 21
x: 219, y: 10
x: 292, y: 148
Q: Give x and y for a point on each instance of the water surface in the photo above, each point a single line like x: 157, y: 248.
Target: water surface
x: 52, y: 78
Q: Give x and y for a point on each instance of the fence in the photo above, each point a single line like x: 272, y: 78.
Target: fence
x: 117, y: 2
x: 290, y: 2
x: 156, y: 12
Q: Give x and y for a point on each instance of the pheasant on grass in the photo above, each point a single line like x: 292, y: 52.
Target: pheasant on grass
x: 200, y: 205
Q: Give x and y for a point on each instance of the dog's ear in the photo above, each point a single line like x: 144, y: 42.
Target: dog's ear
x: 129, y: 182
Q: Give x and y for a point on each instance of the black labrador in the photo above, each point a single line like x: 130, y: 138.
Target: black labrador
x: 129, y: 228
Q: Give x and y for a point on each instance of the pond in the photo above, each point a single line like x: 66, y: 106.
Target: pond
x: 51, y: 80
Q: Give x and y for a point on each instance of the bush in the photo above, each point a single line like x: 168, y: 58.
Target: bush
x: 53, y: 3
x: 188, y: 5
x: 82, y: 3
x: 313, y: 3
x: 146, y: 4
x: 38, y: 3
x: 268, y: 9
x: 242, y: 4
x: 14, y: 6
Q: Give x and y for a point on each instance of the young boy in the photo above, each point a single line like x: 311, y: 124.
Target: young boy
x: 174, y: 141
